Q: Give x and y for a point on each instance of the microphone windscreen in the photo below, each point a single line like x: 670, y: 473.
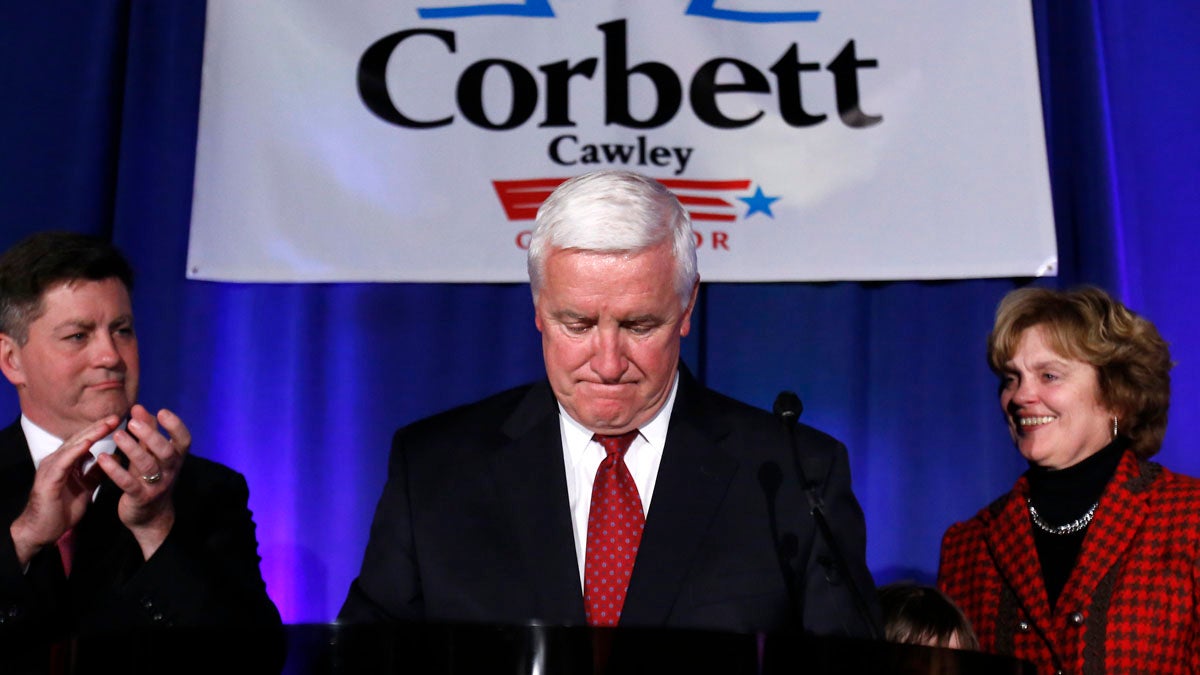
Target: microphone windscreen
x: 788, y: 406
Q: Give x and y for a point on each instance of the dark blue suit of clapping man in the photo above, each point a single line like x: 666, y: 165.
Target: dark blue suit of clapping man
x: 115, y: 529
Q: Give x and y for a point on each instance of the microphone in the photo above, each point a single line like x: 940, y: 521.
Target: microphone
x: 788, y: 408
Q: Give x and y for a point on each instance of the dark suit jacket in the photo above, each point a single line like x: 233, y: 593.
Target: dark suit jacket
x: 205, y: 574
x: 474, y: 523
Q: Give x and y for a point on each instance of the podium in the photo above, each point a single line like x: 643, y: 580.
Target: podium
x: 470, y: 649
x: 478, y: 649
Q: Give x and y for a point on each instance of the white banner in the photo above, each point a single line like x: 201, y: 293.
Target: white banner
x: 387, y: 140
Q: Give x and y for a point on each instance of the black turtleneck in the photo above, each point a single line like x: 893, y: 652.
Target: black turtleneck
x: 1062, y: 496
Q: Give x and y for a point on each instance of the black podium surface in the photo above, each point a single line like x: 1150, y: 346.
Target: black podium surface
x: 469, y: 649
x: 464, y: 649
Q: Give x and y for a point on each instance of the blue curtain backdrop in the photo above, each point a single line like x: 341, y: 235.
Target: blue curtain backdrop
x: 300, y: 386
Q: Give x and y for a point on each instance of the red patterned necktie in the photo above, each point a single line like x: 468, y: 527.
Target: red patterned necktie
x: 615, y: 525
x: 66, y: 549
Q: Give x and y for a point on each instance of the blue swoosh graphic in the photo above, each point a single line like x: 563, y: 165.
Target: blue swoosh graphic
x: 530, y: 8
x: 706, y: 8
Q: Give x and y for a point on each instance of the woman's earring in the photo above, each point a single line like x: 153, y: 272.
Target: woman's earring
x: 1115, y: 426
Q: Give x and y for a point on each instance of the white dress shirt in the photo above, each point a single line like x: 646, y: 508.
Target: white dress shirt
x: 582, y: 456
x: 42, y: 443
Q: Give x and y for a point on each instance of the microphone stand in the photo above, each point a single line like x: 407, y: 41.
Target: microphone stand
x: 788, y: 408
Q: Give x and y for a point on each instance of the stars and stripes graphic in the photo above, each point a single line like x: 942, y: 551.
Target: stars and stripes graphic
x: 705, y: 200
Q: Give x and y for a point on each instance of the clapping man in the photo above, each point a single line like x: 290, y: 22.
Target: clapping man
x: 113, y: 525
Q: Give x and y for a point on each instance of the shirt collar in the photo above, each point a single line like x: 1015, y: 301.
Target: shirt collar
x: 654, y: 431
x: 42, y: 443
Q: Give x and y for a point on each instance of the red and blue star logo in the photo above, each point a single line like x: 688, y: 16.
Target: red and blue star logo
x: 705, y: 200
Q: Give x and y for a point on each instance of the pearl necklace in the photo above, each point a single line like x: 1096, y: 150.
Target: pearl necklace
x: 1070, y: 528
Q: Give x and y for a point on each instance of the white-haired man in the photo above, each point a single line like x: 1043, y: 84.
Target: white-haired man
x: 618, y: 491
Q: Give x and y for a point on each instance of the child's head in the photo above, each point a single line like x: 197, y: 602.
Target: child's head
x: 923, y: 615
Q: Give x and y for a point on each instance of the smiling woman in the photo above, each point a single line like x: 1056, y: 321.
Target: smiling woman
x: 1053, y: 404
x: 1089, y: 563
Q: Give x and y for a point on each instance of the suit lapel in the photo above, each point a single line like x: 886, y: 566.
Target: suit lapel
x: 531, y: 479
x: 1111, y: 533
x: 1009, y: 538
x: 692, y: 481
x: 106, y: 553
x: 16, y: 471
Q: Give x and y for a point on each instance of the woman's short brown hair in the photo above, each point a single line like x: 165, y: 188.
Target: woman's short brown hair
x: 1132, y: 360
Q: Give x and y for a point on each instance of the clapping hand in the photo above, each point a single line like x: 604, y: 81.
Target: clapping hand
x: 61, y: 493
x: 146, y: 508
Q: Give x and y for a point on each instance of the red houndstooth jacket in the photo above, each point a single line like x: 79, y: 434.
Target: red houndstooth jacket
x: 1132, y: 603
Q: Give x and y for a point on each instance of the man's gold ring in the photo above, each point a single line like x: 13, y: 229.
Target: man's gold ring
x: 152, y: 479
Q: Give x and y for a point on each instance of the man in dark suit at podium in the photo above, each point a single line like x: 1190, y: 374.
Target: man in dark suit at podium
x: 114, y: 527
x: 618, y: 491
